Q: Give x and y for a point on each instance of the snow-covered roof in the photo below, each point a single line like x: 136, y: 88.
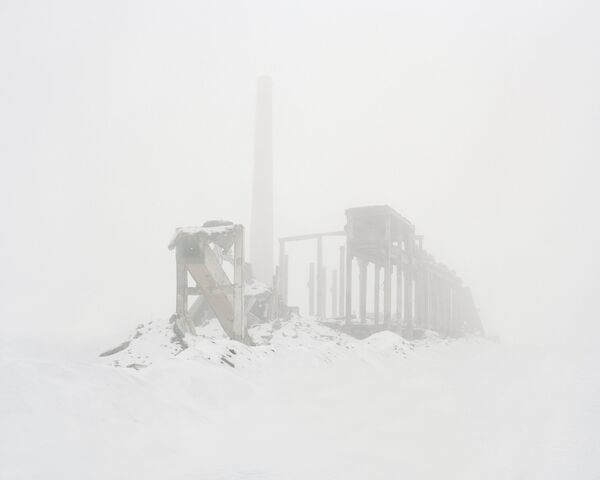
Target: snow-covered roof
x: 201, y: 231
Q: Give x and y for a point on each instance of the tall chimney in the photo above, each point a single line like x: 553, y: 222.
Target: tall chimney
x: 261, y: 224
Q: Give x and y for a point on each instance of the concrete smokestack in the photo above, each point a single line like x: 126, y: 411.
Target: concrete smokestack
x: 261, y: 226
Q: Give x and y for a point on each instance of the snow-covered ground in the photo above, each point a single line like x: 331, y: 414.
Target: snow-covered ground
x: 305, y: 403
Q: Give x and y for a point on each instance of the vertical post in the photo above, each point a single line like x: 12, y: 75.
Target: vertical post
x: 284, y: 272
x: 399, y: 290
x: 334, y: 293
x: 348, y: 309
x: 311, y: 289
x: 451, y: 316
x: 342, y: 279
x: 417, y: 295
x: 362, y: 272
x: 181, y: 286
x: 320, y: 279
x: 408, y: 297
x: 444, y: 296
x: 376, y: 294
x: 183, y: 321
x: 239, y: 316
x: 281, y: 275
x: 438, y: 304
x: 434, y: 301
x: 427, y: 299
x: 323, y: 292
x: 419, y: 284
x: 387, y: 285
x: 275, y: 297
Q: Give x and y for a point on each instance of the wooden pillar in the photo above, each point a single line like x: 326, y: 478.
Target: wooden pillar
x: 438, y: 305
x: 334, y: 293
x: 273, y: 308
x: 427, y: 299
x: 284, y: 272
x: 399, y: 291
x: 239, y: 316
x: 348, y: 309
x: 362, y: 264
x: 408, y: 296
x: 451, y: 310
x: 320, y: 279
x: 311, y: 289
x: 418, y: 294
x: 387, y: 285
x: 445, y: 316
x: 342, y: 280
x: 376, y: 294
x: 181, y: 286
x: 433, y: 300
x: 280, y: 286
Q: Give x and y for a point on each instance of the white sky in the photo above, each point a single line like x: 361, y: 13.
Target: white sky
x: 121, y: 120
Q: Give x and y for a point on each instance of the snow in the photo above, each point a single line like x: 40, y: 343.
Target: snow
x: 207, y: 231
x: 306, y: 402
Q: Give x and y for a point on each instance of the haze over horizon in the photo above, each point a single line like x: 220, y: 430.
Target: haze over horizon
x: 121, y: 121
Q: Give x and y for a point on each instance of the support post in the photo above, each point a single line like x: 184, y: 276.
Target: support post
x: 334, y: 293
x: 311, y: 289
x: 443, y: 308
x: 417, y: 307
x: 320, y: 279
x: 342, y: 279
x: 363, y: 290
x: 274, y: 303
x: 282, y: 284
x: 451, y: 316
x: 281, y: 277
x: 181, y: 280
x: 437, y: 304
x: 399, y: 291
x: 376, y: 294
x: 408, y: 297
x: 427, y: 299
x: 387, y: 286
x: 284, y: 272
x: 348, y: 309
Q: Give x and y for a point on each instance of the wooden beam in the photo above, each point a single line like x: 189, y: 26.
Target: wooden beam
x: 348, y: 310
x: 362, y: 272
x: 342, y: 280
x: 320, y: 279
x: 399, y: 293
x: 181, y: 288
x: 376, y: 294
x: 311, y: 289
x: 312, y: 236
x: 387, y: 285
x: 334, y: 293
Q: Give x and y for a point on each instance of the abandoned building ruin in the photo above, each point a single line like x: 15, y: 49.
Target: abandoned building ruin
x: 411, y: 292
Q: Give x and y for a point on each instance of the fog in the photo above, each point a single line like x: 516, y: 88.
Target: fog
x: 120, y: 121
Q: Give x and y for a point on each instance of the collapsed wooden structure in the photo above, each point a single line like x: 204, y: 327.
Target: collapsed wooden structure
x: 201, y: 253
x: 410, y: 291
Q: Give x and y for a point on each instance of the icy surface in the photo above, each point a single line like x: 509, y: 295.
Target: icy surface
x: 306, y: 402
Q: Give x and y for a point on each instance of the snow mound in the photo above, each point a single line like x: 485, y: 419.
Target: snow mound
x: 387, y: 341
x: 293, y: 341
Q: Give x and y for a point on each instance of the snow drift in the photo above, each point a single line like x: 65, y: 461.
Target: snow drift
x: 306, y: 402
